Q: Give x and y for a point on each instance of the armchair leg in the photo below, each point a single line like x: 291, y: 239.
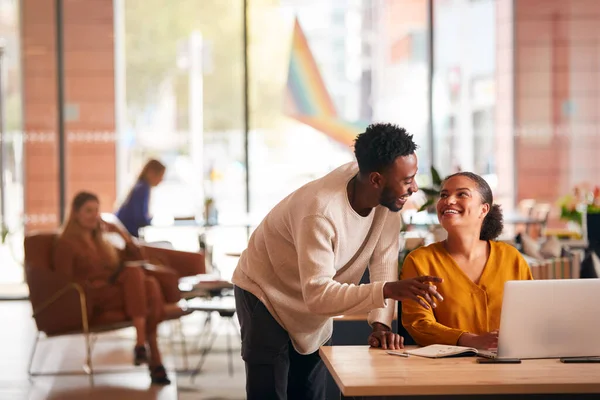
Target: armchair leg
x: 93, y: 340
x: 89, y: 367
x: 205, y: 351
x: 176, y: 328
x: 183, y: 345
x: 34, y: 348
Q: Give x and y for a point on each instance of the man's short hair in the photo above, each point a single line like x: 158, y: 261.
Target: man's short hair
x: 379, y: 145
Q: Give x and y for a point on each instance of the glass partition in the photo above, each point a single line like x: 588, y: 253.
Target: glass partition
x: 464, y: 86
x: 320, y: 72
x: 11, y: 146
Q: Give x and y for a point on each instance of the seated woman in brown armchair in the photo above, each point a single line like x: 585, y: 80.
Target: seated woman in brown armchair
x: 83, y: 254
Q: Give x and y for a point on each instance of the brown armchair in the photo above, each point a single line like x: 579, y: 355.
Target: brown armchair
x: 169, y: 265
x: 61, y: 307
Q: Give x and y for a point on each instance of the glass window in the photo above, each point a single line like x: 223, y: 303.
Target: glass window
x: 464, y: 86
x: 11, y: 168
x: 320, y: 72
x: 184, y: 87
x: 184, y: 103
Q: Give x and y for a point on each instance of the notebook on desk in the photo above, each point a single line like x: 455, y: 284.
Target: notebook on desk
x: 442, y: 350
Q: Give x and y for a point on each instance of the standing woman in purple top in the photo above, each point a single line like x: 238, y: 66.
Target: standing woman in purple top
x: 133, y: 213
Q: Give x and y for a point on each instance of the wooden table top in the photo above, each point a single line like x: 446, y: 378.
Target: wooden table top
x: 362, y: 371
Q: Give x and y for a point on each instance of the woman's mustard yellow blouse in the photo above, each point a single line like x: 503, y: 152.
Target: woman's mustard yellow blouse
x: 467, y: 307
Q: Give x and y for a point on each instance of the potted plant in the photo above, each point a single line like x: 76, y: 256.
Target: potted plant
x: 433, y: 192
x: 582, y: 208
x: 592, y: 221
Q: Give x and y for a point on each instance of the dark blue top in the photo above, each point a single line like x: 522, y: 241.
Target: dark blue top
x: 134, y: 211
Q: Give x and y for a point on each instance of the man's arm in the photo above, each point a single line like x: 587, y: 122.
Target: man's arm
x: 322, y: 294
x: 383, y: 267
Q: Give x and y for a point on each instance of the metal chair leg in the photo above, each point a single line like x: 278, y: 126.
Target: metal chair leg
x: 236, y: 329
x: 205, y: 352
x: 89, y: 367
x: 37, y: 338
x: 183, y: 345
x: 230, y: 353
x: 206, y: 329
x: 176, y: 327
x: 171, y: 338
x: 93, y: 340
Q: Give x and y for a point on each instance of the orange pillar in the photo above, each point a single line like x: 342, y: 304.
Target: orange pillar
x: 557, y: 97
x: 90, y: 160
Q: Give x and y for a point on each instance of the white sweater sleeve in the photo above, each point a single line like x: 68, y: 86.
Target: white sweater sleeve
x: 383, y: 266
x: 316, y: 238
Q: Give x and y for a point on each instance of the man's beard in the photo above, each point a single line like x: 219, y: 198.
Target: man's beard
x: 388, y: 200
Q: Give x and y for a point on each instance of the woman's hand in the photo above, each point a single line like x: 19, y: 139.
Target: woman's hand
x: 112, y: 228
x: 416, y: 289
x: 108, y: 227
x: 383, y: 337
x: 485, y: 341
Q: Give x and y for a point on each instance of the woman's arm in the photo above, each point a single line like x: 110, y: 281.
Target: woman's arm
x: 420, y: 322
x: 66, y: 262
x: 131, y: 252
x: 112, y: 228
x: 524, y: 271
x: 141, y: 202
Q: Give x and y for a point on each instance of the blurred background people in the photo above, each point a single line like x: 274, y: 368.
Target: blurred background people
x: 134, y: 212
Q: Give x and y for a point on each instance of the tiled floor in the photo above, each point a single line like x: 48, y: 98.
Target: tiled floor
x: 112, y: 351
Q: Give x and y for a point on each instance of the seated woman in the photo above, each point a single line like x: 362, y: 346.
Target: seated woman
x: 474, y: 268
x: 134, y: 213
x: 83, y: 255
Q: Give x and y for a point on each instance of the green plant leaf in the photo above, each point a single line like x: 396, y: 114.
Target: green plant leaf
x: 428, y: 203
x: 4, y: 233
x: 592, y: 209
x: 435, y: 177
x: 570, y: 214
x: 430, y: 191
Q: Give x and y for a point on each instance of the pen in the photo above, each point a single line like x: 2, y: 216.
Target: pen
x: 396, y: 353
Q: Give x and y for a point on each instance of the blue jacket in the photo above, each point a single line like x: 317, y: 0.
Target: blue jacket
x: 134, y: 211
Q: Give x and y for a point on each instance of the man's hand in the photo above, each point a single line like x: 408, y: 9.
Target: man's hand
x: 485, y: 341
x: 383, y: 337
x: 416, y: 289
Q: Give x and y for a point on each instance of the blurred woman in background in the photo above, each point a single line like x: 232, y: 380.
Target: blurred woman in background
x: 134, y: 213
x: 84, y: 256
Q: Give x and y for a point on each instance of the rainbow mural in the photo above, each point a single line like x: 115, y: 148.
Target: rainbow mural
x: 307, y: 98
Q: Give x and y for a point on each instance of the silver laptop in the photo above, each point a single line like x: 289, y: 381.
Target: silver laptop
x: 550, y: 319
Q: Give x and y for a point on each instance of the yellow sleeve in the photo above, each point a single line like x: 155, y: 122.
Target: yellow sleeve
x: 524, y: 271
x: 420, y: 322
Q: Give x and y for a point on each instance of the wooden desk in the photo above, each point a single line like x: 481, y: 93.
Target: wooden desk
x: 360, y: 371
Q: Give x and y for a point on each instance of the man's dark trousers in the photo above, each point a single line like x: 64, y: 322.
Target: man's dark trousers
x: 274, y: 369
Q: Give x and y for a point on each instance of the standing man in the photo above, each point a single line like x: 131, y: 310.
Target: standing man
x: 305, y: 260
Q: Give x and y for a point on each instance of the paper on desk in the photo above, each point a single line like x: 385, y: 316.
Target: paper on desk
x: 441, y: 350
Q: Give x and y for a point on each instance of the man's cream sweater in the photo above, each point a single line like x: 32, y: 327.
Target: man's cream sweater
x: 306, y: 258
